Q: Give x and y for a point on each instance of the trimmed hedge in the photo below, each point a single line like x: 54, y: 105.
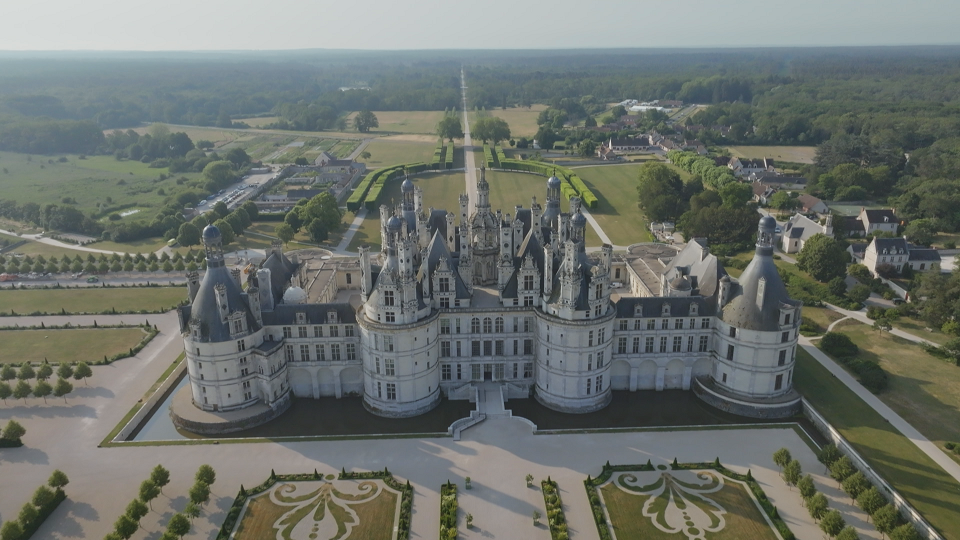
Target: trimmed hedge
x: 406, y: 498
x: 556, y: 519
x: 489, y: 157
x: 448, y: 511
x: 448, y: 157
x: 571, y: 186
x: 500, y: 155
x: 593, y: 495
x: 43, y: 513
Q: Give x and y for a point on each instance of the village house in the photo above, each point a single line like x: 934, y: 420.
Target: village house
x: 897, y: 253
x: 799, y: 229
x: 812, y: 205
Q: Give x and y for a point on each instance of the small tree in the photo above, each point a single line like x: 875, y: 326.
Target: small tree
x: 792, y: 472
x: 13, y: 431
x: 7, y: 373
x: 58, y: 479
x: 828, y: 454
x: 529, y: 479
x: 871, y: 500
x: 855, y: 484
x: 848, y: 533
x: 905, y: 532
x: 136, y: 510
x: 44, y: 371
x: 536, y: 517
x: 806, y: 487
x: 781, y: 457
x: 82, y: 371
x: 125, y: 526
x: 192, y: 511
x: 469, y: 520
x: 817, y: 506
x: 832, y: 523
x: 5, y: 391
x: 886, y: 518
x: 64, y: 370
x: 178, y: 525
x: 160, y: 476
x: 42, y: 390
x: 43, y: 496
x: 26, y: 372
x: 206, y: 475
x: 199, y: 493
x: 28, y: 514
x: 11, y: 530
x: 841, y: 469
x: 22, y: 390
x: 148, y: 492
x: 62, y: 388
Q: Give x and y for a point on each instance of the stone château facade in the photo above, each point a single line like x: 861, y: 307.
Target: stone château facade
x: 516, y: 299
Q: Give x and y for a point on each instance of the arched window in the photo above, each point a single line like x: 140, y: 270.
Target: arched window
x: 475, y: 325
x: 487, y: 325
x: 498, y: 325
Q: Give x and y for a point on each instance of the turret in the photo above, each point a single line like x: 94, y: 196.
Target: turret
x: 483, y: 190
x: 506, y: 240
x: 828, y: 226
x: 235, y: 274
x: 536, y: 212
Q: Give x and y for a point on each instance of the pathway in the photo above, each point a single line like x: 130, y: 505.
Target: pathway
x: 469, y: 166
x: 925, y: 445
x: 861, y: 316
x: 351, y: 231
x: 57, y: 243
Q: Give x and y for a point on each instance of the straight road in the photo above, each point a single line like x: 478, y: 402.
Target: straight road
x: 469, y: 167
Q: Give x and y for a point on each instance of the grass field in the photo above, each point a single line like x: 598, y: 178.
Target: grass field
x: 793, y: 154
x: 743, y: 518
x: 259, y: 121
x: 388, y: 151
x: 89, y: 181
x: 923, y: 389
x: 617, y: 213
x: 920, y: 329
x: 34, y: 248
x: 522, y: 121
x: 822, y: 316
x: 69, y: 345
x: 896, y: 458
x: 374, y: 517
x: 405, y: 121
x: 90, y: 300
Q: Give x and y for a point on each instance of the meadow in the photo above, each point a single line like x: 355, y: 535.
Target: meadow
x: 522, y: 120
x: 405, y: 121
x: 69, y: 345
x: 617, y: 212
x: 387, y: 151
x: 90, y: 299
x: 792, y: 154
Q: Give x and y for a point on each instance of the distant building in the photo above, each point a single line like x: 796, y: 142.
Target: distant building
x: 898, y: 253
x: 812, y: 205
x: 799, y: 229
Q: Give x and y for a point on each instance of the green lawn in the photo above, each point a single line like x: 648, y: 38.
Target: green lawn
x: 920, y: 329
x: 71, y: 345
x: 924, y: 390
x: 34, y: 248
x: 822, y: 316
x: 88, y: 181
x: 405, y: 121
x: 793, y: 154
x: 743, y: 518
x: 617, y: 213
x: 913, y: 473
x: 90, y: 299
x: 522, y: 120
x: 386, y: 151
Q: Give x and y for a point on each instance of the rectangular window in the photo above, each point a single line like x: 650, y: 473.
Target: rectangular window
x: 459, y: 349
x: 677, y: 343
x: 729, y: 352
x: 621, y: 345
x: 783, y: 358
x: 444, y: 302
x: 287, y: 332
x: 335, y: 352
x: 636, y: 345
x: 458, y: 325
x: 690, y: 344
x: 388, y: 343
x: 704, y: 340
x: 317, y: 331
x: 589, y: 362
x: 516, y: 370
x: 528, y: 346
x: 623, y: 325
x: 527, y: 370
x: 724, y: 377
x: 320, y: 355
x: 389, y: 367
x: 348, y: 330
x: 444, y: 349
x: 590, y: 339
x: 637, y: 324
x: 475, y: 372
x: 663, y: 344
x: 351, y: 351
x: 487, y: 348
x: 516, y: 347
x: 600, y: 359
x: 349, y: 279
x: 288, y: 353
x: 390, y: 317
x: 527, y: 323
x: 778, y: 384
x: 459, y: 372
x: 599, y: 387
x: 391, y: 391
x: 678, y: 324
x: 651, y: 324
x: 444, y: 326
x: 589, y: 385
x: 334, y: 331
x: 498, y: 347
x: 238, y: 326
x: 693, y: 324
x: 388, y: 298
x: 784, y: 337
x: 304, y: 353
x: 241, y: 345
x: 474, y: 348
x: 601, y: 336
x: 733, y: 332
x: 528, y: 283
x: 379, y: 390
x: 377, y: 365
x: 444, y: 284
x: 704, y: 323
x: 648, y: 345
x: 302, y: 331
x: 665, y: 324
x: 446, y: 373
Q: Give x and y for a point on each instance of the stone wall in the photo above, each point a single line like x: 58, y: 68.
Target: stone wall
x: 219, y: 428
x: 745, y: 408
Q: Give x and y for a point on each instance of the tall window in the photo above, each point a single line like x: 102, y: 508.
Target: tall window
x: 388, y: 343
x: 704, y: 342
x: 475, y: 348
x: 598, y: 291
x: 238, y: 326
x: 475, y: 325
x: 444, y: 326
x: 487, y: 348
x: 334, y: 331
x: 637, y: 324
x: 677, y: 343
x: 389, y: 367
x: 621, y: 345
x: 600, y: 359
x: 733, y: 332
x: 590, y: 339
x: 320, y: 355
x: 636, y: 345
x: 317, y: 331
x: 528, y: 283
x: 302, y: 331
x: 729, y: 352
x: 589, y: 385
x: 304, y: 353
x: 351, y: 351
x: 287, y: 332
x: 599, y: 383
x: 335, y: 352
x: 392, y: 391
x: 445, y: 372
x: 498, y: 347
x: 622, y: 325
x: 528, y: 346
x: 678, y: 324
x: 527, y: 324
x: 665, y: 324
x: 388, y: 298
x: 444, y: 349
x: 663, y: 344
x: 444, y: 284
x: 648, y: 345
x: 241, y: 345
x: 784, y: 337
x: 778, y: 384
x: 288, y: 353
x: 589, y: 362
x: 651, y: 324
x: 487, y: 325
x: 348, y: 330
x: 690, y: 344
x: 498, y: 325
x: 783, y: 358
x: 377, y: 365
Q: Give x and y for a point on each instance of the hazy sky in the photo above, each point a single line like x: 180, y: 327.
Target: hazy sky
x: 454, y: 24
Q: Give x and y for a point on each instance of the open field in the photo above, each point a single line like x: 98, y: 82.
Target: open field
x: 617, y: 213
x: 405, y: 121
x: 90, y: 182
x: 258, y: 121
x: 90, y: 300
x: 35, y: 248
x: 913, y: 473
x: 522, y: 121
x: 387, y: 151
x: 440, y: 191
x: 742, y: 518
x: 68, y: 345
x: 920, y: 329
x: 923, y: 389
x: 793, y: 154
x: 822, y: 316
x: 300, y: 240
x: 264, y: 144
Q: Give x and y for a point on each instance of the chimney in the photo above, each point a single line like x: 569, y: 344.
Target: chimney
x: 235, y: 274
x: 193, y: 285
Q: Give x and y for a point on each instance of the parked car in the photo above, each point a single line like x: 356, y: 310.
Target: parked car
x: 93, y: 279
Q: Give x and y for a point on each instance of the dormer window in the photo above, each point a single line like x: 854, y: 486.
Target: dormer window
x: 665, y: 309
x: 301, y: 317
x: 693, y: 308
x: 332, y: 318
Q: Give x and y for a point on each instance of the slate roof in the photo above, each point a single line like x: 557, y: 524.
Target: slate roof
x: 204, y: 308
x: 744, y: 310
x: 286, y: 314
x: 924, y: 254
x: 881, y: 216
x: 652, y: 306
